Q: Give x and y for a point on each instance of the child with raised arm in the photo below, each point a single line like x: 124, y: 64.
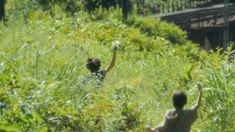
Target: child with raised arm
x: 93, y: 64
x: 179, y: 120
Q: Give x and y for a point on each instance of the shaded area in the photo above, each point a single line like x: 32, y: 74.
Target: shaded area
x: 211, y: 38
x: 204, y: 25
x: 2, y: 9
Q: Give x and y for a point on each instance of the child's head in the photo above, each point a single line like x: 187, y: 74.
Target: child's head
x: 179, y: 100
x: 93, y: 64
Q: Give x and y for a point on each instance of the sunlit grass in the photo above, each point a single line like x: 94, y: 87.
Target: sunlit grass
x: 42, y: 66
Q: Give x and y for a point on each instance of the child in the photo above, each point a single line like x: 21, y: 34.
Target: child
x: 179, y: 120
x: 93, y: 64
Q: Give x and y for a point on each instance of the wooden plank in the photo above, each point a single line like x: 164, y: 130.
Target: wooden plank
x: 216, y: 8
x: 197, y: 16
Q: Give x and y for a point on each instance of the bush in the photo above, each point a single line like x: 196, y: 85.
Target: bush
x: 155, y: 27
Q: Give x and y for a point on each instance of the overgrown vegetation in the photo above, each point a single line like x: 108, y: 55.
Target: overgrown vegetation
x: 42, y: 60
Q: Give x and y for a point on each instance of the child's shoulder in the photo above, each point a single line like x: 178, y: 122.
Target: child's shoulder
x: 103, y: 72
x: 170, y: 113
x: 191, y: 112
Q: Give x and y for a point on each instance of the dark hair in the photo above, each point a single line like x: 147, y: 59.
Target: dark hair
x: 179, y: 100
x: 93, y: 64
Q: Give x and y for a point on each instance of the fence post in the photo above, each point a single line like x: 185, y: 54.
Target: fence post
x: 173, y: 6
x: 189, y: 4
x: 182, y: 5
x: 168, y: 7
x: 164, y: 8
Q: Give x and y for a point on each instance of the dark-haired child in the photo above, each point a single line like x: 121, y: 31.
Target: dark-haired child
x: 94, y: 64
x: 179, y: 120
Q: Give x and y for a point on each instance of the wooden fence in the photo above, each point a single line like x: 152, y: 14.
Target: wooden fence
x: 178, y: 5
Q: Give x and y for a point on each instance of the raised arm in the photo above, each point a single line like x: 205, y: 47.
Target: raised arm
x: 112, y: 63
x: 197, y: 105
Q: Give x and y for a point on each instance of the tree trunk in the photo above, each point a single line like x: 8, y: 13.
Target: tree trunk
x: 126, y: 6
x: 2, y: 9
x: 44, y: 4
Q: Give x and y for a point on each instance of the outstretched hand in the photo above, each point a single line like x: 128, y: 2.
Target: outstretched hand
x: 115, y: 45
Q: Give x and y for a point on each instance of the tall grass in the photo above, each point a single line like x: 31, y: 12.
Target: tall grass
x: 42, y: 67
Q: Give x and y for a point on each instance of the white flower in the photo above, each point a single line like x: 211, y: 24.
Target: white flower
x: 78, y: 20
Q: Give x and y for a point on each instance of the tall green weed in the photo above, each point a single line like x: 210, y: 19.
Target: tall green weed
x: 42, y: 67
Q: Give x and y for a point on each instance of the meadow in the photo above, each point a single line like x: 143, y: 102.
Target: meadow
x: 42, y: 65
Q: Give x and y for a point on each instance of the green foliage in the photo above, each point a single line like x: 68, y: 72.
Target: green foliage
x: 220, y: 88
x: 155, y: 27
x: 42, y: 71
x: 93, y: 4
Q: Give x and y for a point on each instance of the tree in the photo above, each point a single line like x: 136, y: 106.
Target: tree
x: 226, y: 24
x: 70, y: 5
x: 126, y: 5
x: 90, y: 5
x: 2, y: 9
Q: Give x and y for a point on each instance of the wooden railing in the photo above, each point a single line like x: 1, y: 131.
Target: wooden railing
x: 200, y: 18
x: 178, y: 5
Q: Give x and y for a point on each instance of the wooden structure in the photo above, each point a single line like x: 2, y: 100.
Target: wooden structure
x: 205, y: 25
x: 179, y: 5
